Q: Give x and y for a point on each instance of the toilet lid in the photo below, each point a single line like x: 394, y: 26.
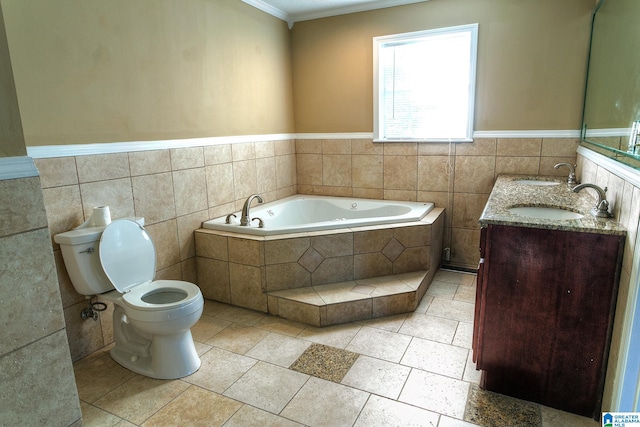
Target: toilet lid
x: 127, y: 254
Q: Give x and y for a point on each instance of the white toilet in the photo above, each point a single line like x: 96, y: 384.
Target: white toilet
x: 151, y: 319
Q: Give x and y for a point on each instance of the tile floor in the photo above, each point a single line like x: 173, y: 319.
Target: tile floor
x: 412, y: 369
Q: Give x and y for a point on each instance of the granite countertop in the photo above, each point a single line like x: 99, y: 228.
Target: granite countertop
x: 508, y: 193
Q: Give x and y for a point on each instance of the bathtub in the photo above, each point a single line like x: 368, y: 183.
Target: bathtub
x: 298, y: 214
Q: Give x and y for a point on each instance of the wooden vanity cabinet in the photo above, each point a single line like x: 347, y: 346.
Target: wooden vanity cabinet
x: 544, y: 312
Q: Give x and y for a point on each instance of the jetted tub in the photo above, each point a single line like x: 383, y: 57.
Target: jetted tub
x: 297, y: 214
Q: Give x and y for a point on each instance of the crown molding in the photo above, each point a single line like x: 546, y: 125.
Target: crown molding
x: 324, y: 13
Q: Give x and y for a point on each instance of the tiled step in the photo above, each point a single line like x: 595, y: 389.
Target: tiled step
x: 335, y: 303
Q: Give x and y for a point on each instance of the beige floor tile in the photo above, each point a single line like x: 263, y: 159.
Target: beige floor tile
x: 466, y: 294
x: 464, y: 335
x: 436, y: 357
x: 454, y: 310
x: 383, y: 412
x: 278, y: 349
x: 245, y: 354
x: 323, y: 403
x: 213, y: 308
x: 335, y: 336
x: 471, y: 374
x: 195, y: 407
x: 552, y: 417
x: 455, y: 277
x: 241, y: 315
x: 379, y: 344
x: 267, y: 387
x: 452, y: 422
x: 207, y: 327
x: 445, y: 290
x: 201, y: 348
x: 220, y: 369
x: 250, y: 416
x: 436, y: 393
x: 424, y: 304
x: 281, y: 326
x: 139, y: 398
x: 377, y: 376
x: 98, y: 374
x: 387, y: 323
x: 92, y: 416
x: 430, y: 327
x: 238, y: 338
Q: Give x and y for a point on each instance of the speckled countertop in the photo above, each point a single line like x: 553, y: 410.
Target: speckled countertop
x: 508, y: 193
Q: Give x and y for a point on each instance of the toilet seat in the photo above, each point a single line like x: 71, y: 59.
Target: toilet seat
x: 139, y: 297
x: 128, y: 258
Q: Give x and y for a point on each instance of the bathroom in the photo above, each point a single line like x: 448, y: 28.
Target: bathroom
x: 178, y: 111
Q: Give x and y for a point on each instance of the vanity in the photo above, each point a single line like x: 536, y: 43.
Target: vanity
x: 546, y: 294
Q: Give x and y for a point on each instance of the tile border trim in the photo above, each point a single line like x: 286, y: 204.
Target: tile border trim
x: 48, y: 151
x: 17, y: 167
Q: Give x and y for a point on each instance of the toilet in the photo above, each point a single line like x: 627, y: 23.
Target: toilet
x: 152, y: 320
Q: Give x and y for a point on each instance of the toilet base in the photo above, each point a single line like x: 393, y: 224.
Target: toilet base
x: 169, y: 357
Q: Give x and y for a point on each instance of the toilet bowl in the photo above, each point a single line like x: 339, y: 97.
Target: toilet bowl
x: 152, y: 320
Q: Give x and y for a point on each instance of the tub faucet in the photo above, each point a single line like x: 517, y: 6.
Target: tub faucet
x: 601, y: 209
x: 245, y: 220
x: 571, y: 179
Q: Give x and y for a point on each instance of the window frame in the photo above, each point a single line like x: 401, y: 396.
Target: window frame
x: 382, y: 41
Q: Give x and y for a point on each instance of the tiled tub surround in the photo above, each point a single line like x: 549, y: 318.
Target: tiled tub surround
x: 298, y: 276
x: 175, y: 190
x: 457, y: 177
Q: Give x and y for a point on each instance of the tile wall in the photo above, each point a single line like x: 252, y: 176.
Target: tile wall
x: 624, y: 203
x: 241, y: 270
x: 173, y: 189
x: 176, y: 189
x: 35, y: 365
x: 457, y: 177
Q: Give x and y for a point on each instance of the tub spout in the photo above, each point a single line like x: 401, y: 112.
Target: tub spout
x: 245, y: 220
x: 601, y: 209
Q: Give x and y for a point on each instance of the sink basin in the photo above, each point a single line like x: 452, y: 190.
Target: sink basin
x: 535, y: 182
x: 541, y: 212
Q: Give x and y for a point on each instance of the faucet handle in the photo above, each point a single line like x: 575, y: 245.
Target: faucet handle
x: 260, y: 222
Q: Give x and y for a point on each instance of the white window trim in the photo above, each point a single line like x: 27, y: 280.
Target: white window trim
x: 377, y: 101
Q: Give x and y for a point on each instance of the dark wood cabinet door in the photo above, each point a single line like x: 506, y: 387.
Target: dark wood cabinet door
x: 544, y: 325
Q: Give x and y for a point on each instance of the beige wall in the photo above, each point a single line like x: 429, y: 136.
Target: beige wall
x: 11, y: 138
x: 532, y: 59
x: 100, y: 71
x: 37, y: 385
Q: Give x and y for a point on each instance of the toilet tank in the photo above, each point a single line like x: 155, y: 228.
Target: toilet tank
x: 80, y: 251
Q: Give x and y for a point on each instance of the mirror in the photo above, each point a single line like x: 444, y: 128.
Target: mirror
x: 611, y: 116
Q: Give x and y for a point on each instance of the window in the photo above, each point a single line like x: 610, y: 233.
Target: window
x: 424, y: 85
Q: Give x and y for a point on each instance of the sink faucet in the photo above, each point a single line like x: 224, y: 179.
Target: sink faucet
x: 601, y: 209
x: 571, y: 179
x: 245, y: 220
